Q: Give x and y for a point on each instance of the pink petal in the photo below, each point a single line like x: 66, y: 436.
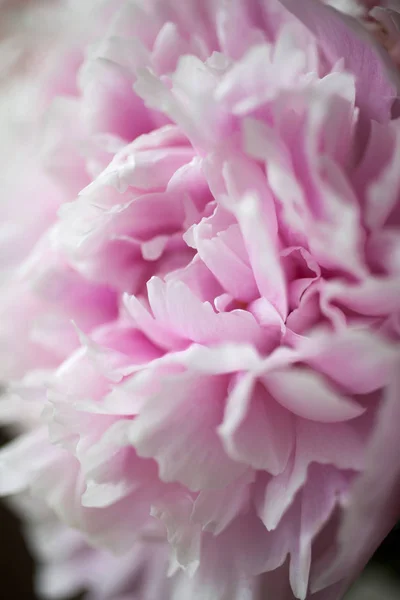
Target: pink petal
x: 372, y: 507
x: 183, y: 536
x: 255, y: 429
x: 214, y: 510
x: 178, y: 309
x: 263, y: 254
x: 307, y: 394
x: 193, y: 454
x: 358, y: 360
x: 341, y: 36
x: 325, y: 443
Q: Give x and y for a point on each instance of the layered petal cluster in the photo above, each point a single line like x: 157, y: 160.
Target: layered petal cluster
x: 200, y: 315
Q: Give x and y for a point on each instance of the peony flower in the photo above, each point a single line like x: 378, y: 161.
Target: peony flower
x: 199, y: 324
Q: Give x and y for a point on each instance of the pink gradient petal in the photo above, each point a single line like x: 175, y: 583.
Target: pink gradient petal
x: 250, y: 409
x: 308, y: 395
x: 193, y: 401
x: 334, y: 444
x: 341, y: 36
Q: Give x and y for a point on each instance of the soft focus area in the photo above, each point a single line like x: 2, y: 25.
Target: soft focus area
x: 379, y: 581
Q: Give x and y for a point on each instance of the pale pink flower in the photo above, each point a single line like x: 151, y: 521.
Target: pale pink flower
x: 200, y: 331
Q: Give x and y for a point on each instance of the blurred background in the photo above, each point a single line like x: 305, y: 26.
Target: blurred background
x: 380, y: 580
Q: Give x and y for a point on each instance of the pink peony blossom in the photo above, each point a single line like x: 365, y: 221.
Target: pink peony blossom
x: 199, y: 319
